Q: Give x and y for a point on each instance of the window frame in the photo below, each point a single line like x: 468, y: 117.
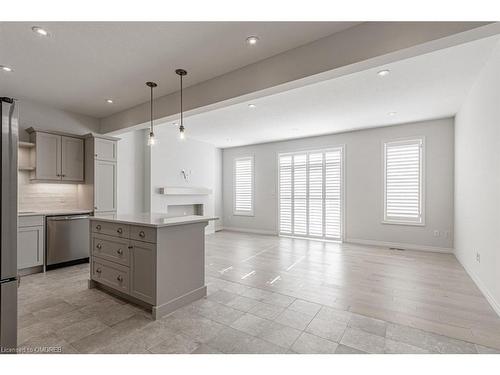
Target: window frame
x: 309, y: 150
x: 407, y: 140
x: 252, y: 211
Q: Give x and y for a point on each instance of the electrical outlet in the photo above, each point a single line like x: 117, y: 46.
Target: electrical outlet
x: 436, y: 233
x: 478, y: 257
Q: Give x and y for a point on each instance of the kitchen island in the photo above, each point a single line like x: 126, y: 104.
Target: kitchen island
x: 150, y: 259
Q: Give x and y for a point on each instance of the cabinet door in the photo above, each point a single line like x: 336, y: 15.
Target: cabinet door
x: 29, y: 247
x: 72, y: 159
x: 142, y: 268
x: 105, y: 186
x: 105, y: 149
x: 48, y: 156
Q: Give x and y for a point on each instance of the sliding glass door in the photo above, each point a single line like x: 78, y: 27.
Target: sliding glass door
x: 310, y: 194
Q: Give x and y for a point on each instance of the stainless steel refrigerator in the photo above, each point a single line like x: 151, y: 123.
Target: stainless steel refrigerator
x: 8, y: 221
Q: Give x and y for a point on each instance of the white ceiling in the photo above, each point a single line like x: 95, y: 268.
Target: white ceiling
x: 428, y: 86
x: 81, y: 64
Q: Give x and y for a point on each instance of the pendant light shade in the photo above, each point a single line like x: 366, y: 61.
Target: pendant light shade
x: 182, y: 131
x: 151, y: 139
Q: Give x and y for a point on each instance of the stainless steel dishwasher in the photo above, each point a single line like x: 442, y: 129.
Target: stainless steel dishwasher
x: 67, y: 239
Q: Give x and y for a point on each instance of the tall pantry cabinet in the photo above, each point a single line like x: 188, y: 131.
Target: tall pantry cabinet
x: 101, y: 170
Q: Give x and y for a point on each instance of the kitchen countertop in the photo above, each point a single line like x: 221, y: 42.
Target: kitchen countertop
x: 53, y: 212
x: 155, y: 220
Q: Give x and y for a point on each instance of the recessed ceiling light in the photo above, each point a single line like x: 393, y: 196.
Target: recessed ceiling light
x: 384, y: 72
x: 110, y: 101
x: 392, y: 113
x: 5, y: 68
x: 252, y: 106
x: 40, y: 31
x: 252, y: 40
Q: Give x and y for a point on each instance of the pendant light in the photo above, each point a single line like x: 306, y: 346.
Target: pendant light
x: 182, y: 135
x: 151, y: 139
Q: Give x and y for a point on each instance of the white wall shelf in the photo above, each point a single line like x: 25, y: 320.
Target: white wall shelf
x: 180, y: 190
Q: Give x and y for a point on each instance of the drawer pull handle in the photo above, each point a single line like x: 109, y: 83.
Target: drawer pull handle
x: 130, y: 247
x: 98, y: 227
x: 120, y: 230
x: 99, y: 246
x: 119, y: 278
x: 98, y: 270
x: 119, y: 251
x: 142, y: 234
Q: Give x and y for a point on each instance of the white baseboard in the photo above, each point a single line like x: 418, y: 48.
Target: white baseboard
x: 398, y: 245
x: 247, y: 230
x: 487, y: 294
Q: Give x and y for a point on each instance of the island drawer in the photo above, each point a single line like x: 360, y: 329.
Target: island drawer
x: 111, y: 274
x: 111, y: 229
x: 111, y: 248
x: 145, y: 234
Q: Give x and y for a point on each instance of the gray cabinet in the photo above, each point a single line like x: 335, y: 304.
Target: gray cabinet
x: 105, y: 149
x: 105, y: 186
x: 72, y: 156
x: 57, y: 157
x: 142, y: 260
x: 30, y: 242
x: 101, y: 173
x: 47, y: 156
x: 161, y: 267
x: 122, y: 263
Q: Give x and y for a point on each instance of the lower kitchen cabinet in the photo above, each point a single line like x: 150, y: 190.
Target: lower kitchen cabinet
x: 160, y: 266
x: 30, y: 246
x: 143, y: 261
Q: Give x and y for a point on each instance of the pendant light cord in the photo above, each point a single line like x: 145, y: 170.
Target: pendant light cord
x: 151, y: 100
x: 182, y: 122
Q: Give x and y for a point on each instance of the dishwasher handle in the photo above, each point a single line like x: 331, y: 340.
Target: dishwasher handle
x: 73, y: 217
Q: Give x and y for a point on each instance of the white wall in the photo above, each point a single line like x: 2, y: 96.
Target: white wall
x: 44, y: 117
x: 363, y: 184
x: 477, y: 182
x: 131, y: 172
x: 169, y: 156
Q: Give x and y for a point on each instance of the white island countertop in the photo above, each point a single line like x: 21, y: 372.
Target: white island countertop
x: 155, y: 220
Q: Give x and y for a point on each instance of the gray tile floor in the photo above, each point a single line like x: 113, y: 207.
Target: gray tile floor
x: 304, y: 297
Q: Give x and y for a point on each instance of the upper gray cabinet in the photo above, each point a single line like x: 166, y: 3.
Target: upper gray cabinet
x: 72, y: 157
x: 57, y: 157
x: 105, y: 149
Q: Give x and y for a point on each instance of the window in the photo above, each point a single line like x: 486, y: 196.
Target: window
x: 310, y: 194
x: 403, y: 174
x: 243, y: 186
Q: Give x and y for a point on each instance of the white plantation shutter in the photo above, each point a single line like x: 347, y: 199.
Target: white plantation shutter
x: 315, y: 194
x: 333, y: 194
x: 300, y: 194
x: 285, y: 194
x: 310, y: 194
x: 403, y: 162
x: 243, y: 186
